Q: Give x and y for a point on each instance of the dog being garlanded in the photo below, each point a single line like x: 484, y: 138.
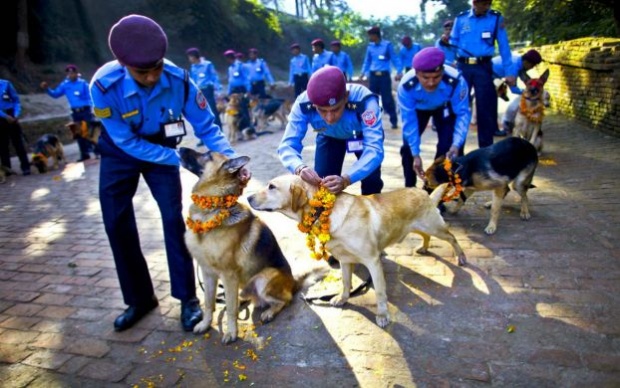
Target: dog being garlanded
x: 531, y: 111
x: 48, y: 146
x: 361, y: 227
x: 491, y: 168
x: 230, y: 243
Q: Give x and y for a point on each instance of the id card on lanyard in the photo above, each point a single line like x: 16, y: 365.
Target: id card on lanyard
x: 355, y: 144
x: 173, y: 127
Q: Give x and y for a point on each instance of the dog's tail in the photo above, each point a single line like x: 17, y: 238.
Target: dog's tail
x: 309, y: 277
x: 438, y: 193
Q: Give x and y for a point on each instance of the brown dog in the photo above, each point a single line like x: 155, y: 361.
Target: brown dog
x: 237, y: 123
x: 531, y: 111
x: 47, y: 147
x: 241, y: 251
x: 268, y: 109
x: 361, y: 227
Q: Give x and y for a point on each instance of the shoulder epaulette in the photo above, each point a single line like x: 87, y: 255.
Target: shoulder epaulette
x: 307, y: 107
x: 463, y: 13
x: 104, y: 83
x: 175, y: 71
x: 360, y: 106
x: 494, y: 12
x: 411, y: 83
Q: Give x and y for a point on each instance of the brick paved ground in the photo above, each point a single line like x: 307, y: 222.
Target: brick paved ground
x: 555, y: 280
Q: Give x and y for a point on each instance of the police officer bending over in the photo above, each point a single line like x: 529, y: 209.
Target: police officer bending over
x: 140, y: 98
x: 435, y: 90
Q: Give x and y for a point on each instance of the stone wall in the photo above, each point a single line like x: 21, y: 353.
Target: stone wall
x: 584, y: 80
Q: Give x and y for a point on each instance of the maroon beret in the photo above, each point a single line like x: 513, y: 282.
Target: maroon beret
x: 295, y: 46
x: 374, y: 30
x: 335, y: 43
x: 138, y: 41
x: 532, y: 57
x: 318, y: 42
x: 448, y: 23
x: 253, y: 50
x: 239, y: 55
x: 429, y: 59
x: 406, y: 40
x: 71, y: 68
x: 193, y: 51
x: 327, y: 86
x: 229, y: 53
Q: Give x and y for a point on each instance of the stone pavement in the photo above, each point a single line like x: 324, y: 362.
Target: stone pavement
x: 537, y: 306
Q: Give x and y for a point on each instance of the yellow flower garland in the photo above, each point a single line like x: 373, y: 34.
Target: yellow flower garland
x: 318, y: 229
x: 224, y: 203
x: 535, y: 114
x: 455, y: 181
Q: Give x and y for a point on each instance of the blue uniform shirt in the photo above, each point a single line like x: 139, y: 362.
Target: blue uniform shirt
x: 129, y: 111
x: 416, y: 98
x: 517, y: 65
x: 259, y: 71
x: 362, y: 115
x: 448, y: 50
x: 343, y: 61
x: 406, y: 54
x: 475, y: 37
x: 323, y: 59
x: 299, y: 65
x: 203, y: 74
x: 9, y: 99
x: 76, y: 92
x: 378, y: 57
x: 238, y: 76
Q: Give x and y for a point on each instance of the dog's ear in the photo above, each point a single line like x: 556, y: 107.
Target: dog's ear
x: 544, y: 76
x: 298, y: 197
x: 236, y: 164
x: 193, y: 160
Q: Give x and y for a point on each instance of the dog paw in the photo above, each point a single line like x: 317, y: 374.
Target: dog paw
x: 338, y: 300
x: 421, y: 250
x: 383, y: 320
x: 525, y: 215
x: 202, y: 326
x: 267, y: 316
x: 461, y: 260
x: 487, y: 205
x: 229, y: 338
x: 490, y: 229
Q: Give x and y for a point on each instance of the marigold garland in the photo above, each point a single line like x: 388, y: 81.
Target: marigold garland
x: 454, y: 181
x: 535, y: 114
x: 41, y: 156
x: 318, y: 229
x: 208, y: 203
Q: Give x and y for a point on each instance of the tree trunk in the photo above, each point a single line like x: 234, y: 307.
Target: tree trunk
x: 22, y: 35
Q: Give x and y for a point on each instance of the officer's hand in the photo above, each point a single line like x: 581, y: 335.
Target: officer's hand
x: 452, y: 153
x: 43, y: 85
x: 244, y: 175
x: 335, y: 183
x: 310, y: 176
x: 511, y: 80
x: 418, y: 167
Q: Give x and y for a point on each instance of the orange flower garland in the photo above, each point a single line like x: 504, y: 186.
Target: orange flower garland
x: 535, y: 114
x: 455, y: 181
x: 205, y: 203
x: 41, y: 156
x: 318, y: 229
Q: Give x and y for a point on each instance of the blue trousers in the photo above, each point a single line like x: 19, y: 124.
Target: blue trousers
x: 300, y: 83
x: 119, y: 177
x: 329, y: 158
x: 382, y: 85
x: 257, y: 88
x: 445, y: 134
x: 480, y: 77
x: 209, y: 92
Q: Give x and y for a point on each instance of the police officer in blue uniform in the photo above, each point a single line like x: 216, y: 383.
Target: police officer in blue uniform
x: 259, y: 74
x: 75, y: 88
x: 435, y: 90
x: 203, y: 73
x: 299, y: 70
x: 321, y: 56
x: 407, y: 52
x: 341, y: 59
x: 444, y: 44
x: 377, y: 69
x: 474, y: 33
x: 141, y: 99
x: 346, y: 119
x: 10, y: 130
x: 238, y: 80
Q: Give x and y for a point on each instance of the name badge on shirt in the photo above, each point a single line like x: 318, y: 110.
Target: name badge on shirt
x: 486, y: 35
x: 355, y: 145
x: 258, y: 69
x: 201, y: 75
x: 174, y: 128
x: 381, y: 57
x: 6, y: 97
x: 236, y: 74
x: 77, y: 93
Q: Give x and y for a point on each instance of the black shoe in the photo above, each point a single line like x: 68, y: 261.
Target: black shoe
x: 333, y: 262
x: 191, y: 314
x: 26, y: 172
x: 394, y: 126
x: 133, y: 314
x: 500, y: 133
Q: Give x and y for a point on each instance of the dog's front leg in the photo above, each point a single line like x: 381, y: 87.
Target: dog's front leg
x: 231, y: 288
x: 347, y: 273
x: 210, y: 286
x: 378, y: 279
x: 496, y: 207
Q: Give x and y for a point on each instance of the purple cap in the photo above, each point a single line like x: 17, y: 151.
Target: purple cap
x: 448, y: 23
x: 138, y: 41
x: 193, y: 51
x: 239, y: 55
x: 229, y: 53
x: 374, y: 30
x: 429, y: 59
x: 327, y: 86
x: 335, y: 43
x: 406, y: 40
x: 318, y: 42
x: 71, y: 67
x: 532, y: 57
x: 253, y: 50
x: 295, y: 46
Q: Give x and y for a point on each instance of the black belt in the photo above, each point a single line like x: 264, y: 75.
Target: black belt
x: 80, y: 109
x: 474, y: 60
